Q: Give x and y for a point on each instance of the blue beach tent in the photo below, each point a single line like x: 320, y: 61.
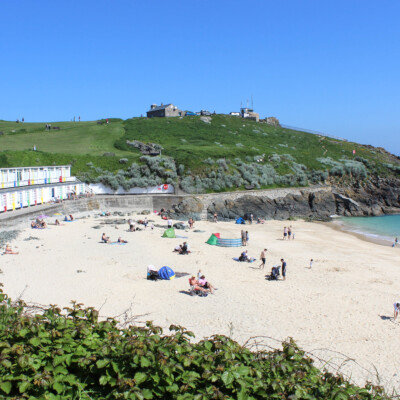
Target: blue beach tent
x: 240, y: 220
x: 166, y: 273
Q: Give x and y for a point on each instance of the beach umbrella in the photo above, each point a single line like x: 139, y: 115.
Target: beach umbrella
x: 57, y: 214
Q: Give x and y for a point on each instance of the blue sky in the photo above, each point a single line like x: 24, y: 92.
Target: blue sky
x: 329, y: 66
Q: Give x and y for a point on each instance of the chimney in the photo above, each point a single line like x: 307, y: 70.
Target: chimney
x: 153, y: 106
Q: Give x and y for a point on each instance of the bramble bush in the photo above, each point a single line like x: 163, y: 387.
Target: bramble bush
x: 58, y: 355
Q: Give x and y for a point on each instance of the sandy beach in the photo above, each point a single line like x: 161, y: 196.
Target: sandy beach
x: 343, y: 304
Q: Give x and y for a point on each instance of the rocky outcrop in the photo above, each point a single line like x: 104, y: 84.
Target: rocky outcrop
x: 376, y: 197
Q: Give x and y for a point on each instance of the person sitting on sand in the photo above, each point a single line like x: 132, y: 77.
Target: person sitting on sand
x: 260, y: 221
x: 33, y: 225
x: 184, y: 248
x: 57, y: 222
x: 194, y: 283
x: 71, y: 217
x: 205, y: 284
x: 105, y: 239
x: 178, y: 248
x: 66, y: 218
x: 244, y: 256
x: 191, y: 223
x: 121, y: 240
x: 9, y: 250
x: 43, y: 224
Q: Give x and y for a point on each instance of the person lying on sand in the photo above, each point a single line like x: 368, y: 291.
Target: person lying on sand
x: 121, y: 240
x: 194, y: 283
x: 9, y: 250
x: 205, y: 284
x: 105, y: 239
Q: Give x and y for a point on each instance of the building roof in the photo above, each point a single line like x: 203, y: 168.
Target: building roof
x: 161, y: 107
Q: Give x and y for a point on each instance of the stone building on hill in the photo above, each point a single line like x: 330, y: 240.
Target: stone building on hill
x: 168, y: 110
x: 249, y: 113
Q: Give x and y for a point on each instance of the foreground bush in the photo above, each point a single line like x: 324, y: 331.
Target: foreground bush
x: 74, y: 356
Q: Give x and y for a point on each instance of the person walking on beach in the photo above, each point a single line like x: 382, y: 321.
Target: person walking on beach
x: 247, y: 238
x: 262, y: 258
x: 311, y: 263
x: 215, y: 217
x: 251, y: 218
x: 169, y: 223
x: 289, y: 232
x: 285, y: 231
x: 283, y: 269
x: 396, y: 242
x: 396, y: 307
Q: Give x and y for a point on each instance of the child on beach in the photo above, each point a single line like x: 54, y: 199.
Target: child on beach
x: 311, y: 263
x: 9, y: 250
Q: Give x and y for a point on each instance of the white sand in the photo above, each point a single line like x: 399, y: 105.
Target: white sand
x: 340, y: 304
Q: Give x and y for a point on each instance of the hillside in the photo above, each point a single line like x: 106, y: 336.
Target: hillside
x: 222, y: 153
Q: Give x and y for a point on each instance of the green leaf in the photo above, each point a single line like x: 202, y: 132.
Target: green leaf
x: 58, y: 387
x: 6, y: 387
x: 140, y: 377
x: 23, y: 386
x: 35, y: 341
x: 103, y: 380
x: 145, y: 362
x: 147, y: 393
x: 227, y: 378
x: 102, y: 363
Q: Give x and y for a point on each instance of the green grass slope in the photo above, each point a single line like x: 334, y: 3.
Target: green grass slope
x: 224, y: 153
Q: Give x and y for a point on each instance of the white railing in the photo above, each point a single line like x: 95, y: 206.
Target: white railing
x: 34, y: 182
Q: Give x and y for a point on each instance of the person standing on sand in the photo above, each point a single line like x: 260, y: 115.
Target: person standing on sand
x: 262, y: 258
x: 247, y: 238
x: 396, y: 242
x: 243, y: 235
x: 285, y: 233
x: 396, y: 307
x: 169, y: 222
x: 311, y: 263
x: 283, y: 269
x: 289, y: 232
x: 215, y: 217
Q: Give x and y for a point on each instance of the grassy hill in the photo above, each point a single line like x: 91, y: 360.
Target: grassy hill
x: 224, y: 153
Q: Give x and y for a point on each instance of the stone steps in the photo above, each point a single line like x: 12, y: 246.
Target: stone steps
x: 204, y: 214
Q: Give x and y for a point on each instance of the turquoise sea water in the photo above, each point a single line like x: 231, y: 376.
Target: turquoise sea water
x: 386, y: 227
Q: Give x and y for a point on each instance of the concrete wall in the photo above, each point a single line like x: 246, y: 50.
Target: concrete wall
x: 137, y: 203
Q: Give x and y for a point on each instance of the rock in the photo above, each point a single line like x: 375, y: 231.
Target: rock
x: 109, y: 154
x: 145, y: 212
x: 206, y: 120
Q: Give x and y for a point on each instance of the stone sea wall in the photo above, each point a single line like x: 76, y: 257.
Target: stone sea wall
x: 374, y: 198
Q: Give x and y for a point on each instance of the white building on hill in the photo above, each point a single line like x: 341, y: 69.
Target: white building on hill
x: 29, y: 186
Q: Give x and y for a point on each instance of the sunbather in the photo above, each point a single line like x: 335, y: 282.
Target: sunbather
x: 57, y: 222
x: 9, y: 250
x: 205, y: 284
x: 71, y: 217
x: 121, y: 240
x: 105, y: 239
x: 194, y: 283
x: 244, y: 256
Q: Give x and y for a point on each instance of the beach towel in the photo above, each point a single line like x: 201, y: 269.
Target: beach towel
x: 251, y: 259
x: 181, y: 237
x: 117, y: 243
